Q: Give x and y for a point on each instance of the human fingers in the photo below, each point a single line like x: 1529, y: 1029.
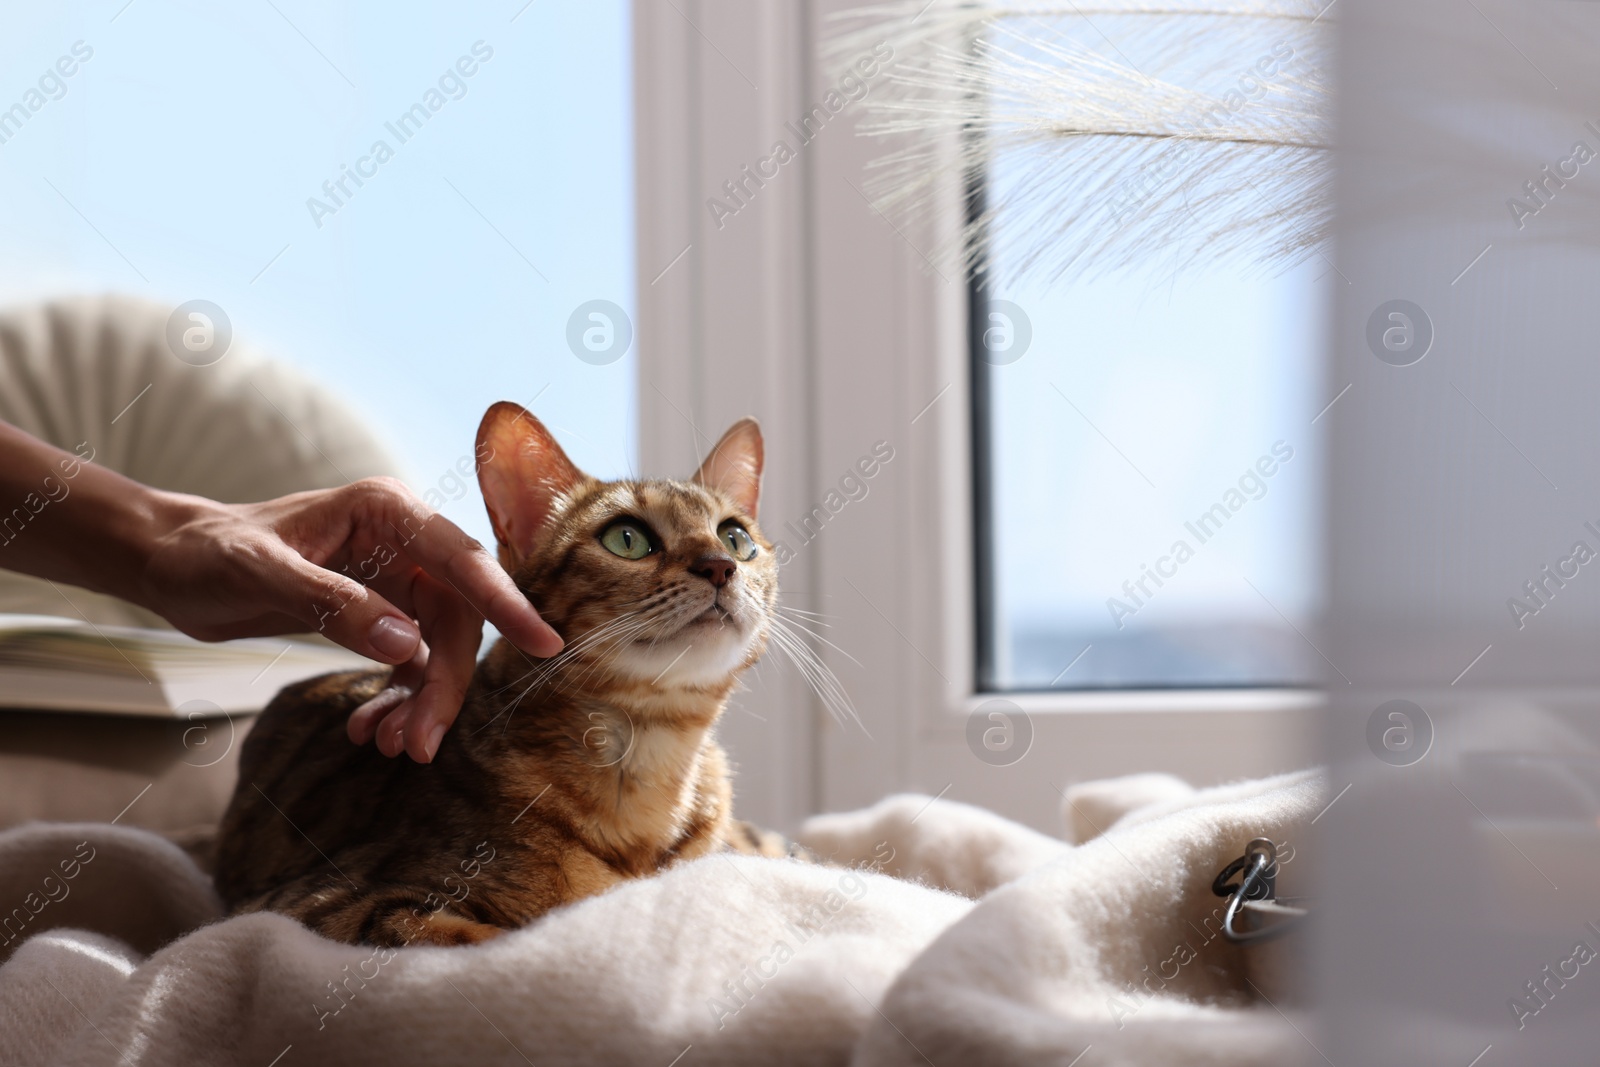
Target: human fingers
x: 345, y: 611
x: 446, y: 553
x: 362, y: 726
x: 453, y: 632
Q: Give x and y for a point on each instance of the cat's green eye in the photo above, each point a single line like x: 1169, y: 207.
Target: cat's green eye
x: 738, y: 541
x: 628, y: 540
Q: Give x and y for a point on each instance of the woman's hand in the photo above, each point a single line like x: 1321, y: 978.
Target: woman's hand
x: 366, y: 564
x: 358, y: 564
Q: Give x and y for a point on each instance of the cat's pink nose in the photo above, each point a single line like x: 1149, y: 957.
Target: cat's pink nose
x: 714, y: 569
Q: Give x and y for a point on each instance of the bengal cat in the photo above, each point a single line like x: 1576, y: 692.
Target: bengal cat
x: 561, y: 778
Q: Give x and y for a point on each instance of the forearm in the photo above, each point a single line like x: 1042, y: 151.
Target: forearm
x: 66, y: 518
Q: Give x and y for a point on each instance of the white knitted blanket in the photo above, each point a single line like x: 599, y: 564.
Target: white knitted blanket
x: 945, y: 935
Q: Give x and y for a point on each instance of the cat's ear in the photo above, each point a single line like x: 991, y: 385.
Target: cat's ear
x: 523, y: 473
x: 734, y: 466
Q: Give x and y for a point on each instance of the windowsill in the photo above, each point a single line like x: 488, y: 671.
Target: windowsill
x: 1157, y: 700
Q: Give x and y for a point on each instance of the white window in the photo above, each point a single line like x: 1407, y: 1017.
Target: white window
x: 795, y: 300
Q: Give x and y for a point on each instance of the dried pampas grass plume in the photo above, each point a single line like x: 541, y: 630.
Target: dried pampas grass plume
x: 1107, y: 135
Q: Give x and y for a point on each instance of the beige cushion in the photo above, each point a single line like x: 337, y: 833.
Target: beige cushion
x: 172, y: 776
x: 243, y: 428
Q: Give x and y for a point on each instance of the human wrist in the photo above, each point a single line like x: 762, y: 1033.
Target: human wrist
x: 68, y: 519
x: 140, y: 521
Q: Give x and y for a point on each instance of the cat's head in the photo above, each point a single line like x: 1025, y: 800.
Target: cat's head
x: 667, y: 582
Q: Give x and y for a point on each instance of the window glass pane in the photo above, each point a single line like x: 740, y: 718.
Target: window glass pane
x: 186, y: 159
x: 1149, y: 460
x: 1153, y: 475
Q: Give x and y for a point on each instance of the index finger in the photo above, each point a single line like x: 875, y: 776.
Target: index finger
x: 446, y: 552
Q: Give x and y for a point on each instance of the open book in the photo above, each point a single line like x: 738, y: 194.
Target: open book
x: 53, y: 663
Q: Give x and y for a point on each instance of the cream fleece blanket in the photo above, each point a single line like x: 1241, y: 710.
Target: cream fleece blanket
x: 946, y: 935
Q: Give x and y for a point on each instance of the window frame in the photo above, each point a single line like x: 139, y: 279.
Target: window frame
x: 834, y: 327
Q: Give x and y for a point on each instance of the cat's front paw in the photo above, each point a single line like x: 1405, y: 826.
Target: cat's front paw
x: 407, y: 928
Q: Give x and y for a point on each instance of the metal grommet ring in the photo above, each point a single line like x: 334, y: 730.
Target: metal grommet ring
x: 1259, y: 867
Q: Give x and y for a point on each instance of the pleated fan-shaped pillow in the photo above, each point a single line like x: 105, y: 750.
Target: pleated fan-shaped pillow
x: 110, y: 374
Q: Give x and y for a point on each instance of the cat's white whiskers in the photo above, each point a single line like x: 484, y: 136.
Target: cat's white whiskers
x: 618, y: 642
x: 792, y: 624
x: 543, y: 672
x: 595, y: 639
x: 603, y: 656
x: 802, y: 661
x: 809, y: 616
x: 817, y: 674
x: 546, y: 664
